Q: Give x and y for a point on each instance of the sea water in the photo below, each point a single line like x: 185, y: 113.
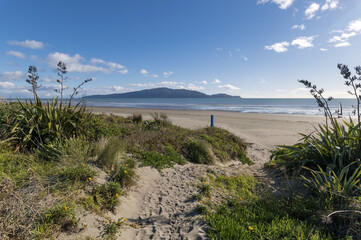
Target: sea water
x: 306, y: 106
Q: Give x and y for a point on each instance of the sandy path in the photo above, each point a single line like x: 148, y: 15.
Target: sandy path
x: 161, y: 206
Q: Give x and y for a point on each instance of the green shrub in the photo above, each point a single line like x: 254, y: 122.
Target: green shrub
x: 123, y: 175
x: 106, y: 196
x: 37, y: 124
x: 112, y: 228
x: 160, y: 120
x: 58, y: 217
x: 160, y: 161
x: 49, y: 152
x: 137, y: 118
x: 199, y: 152
x: 131, y: 163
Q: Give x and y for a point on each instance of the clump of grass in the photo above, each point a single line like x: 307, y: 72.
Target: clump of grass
x: 130, y: 162
x: 123, y: 175
x: 136, y: 118
x: 106, y: 196
x: 112, y: 228
x: 57, y: 217
x: 206, y: 190
x: 80, y: 173
x: 160, y: 120
x: 199, y: 152
x: 109, y: 157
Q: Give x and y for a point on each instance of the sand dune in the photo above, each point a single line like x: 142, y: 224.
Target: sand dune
x: 160, y: 206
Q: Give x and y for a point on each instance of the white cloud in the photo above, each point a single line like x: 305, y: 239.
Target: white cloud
x: 204, y: 82
x: 159, y: 84
x: 300, y: 27
x: 167, y: 74
x: 342, y: 44
x: 219, y: 49
x: 11, y: 76
x: 47, y: 80
x: 112, y: 66
x: 278, y: 47
x: 154, y: 75
x: 216, y: 81
x: 118, y: 88
x: 96, y: 60
x: 16, y: 54
x: 330, y: 4
x: 193, y: 87
x: 73, y: 63
x: 229, y: 87
x: 323, y: 49
x: 245, y: 58
x: 144, y: 72
x: 27, y: 44
x: 311, y: 10
x: 123, y: 71
x: 354, y: 25
x: 7, y: 85
x: 343, y: 39
x: 303, y: 42
x: 283, y: 4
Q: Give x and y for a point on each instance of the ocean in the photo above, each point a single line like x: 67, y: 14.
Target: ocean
x: 245, y: 105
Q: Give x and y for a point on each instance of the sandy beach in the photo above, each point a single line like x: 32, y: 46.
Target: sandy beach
x: 269, y: 130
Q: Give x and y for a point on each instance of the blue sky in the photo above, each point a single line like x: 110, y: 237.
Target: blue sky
x: 251, y: 48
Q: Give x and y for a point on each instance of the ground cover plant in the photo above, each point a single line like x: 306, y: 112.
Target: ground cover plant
x: 241, y: 207
x: 57, y: 159
x: 328, y: 161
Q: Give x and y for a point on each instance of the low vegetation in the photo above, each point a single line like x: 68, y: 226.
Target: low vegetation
x: 57, y: 159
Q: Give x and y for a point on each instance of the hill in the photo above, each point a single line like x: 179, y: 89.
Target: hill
x: 163, y: 93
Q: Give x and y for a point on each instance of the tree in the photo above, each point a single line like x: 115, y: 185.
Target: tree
x: 61, y: 73
x: 33, y: 80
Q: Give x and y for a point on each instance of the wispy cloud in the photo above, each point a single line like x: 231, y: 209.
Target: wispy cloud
x: 300, y: 27
x: 27, y: 44
x: 279, y: 47
x: 343, y: 39
x: 73, y: 63
x: 283, y: 4
x: 229, y: 87
x: 144, y: 72
x: 303, y: 42
x: 311, y: 10
x: 216, y: 81
x: 7, y: 85
x: 194, y: 87
x: 323, y: 49
x: 16, y: 54
x: 11, y: 76
x: 167, y: 74
x: 330, y: 5
x: 158, y: 84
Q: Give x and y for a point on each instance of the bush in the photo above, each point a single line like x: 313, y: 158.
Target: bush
x: 37, y: 124
x: 79, y: 173
x: 123, y: 175
x: 199, y: 152
x: 106, y: 196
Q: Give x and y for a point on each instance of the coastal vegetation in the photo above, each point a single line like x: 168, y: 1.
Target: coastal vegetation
x: 328, y: 162
x: 57, y: 159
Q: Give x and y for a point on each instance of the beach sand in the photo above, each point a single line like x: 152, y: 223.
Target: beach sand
x: 160, y: 206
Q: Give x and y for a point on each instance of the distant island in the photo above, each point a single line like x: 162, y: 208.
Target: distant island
x: 163, y: 93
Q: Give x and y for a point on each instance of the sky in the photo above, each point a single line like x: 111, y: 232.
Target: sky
x: 250, y: 48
